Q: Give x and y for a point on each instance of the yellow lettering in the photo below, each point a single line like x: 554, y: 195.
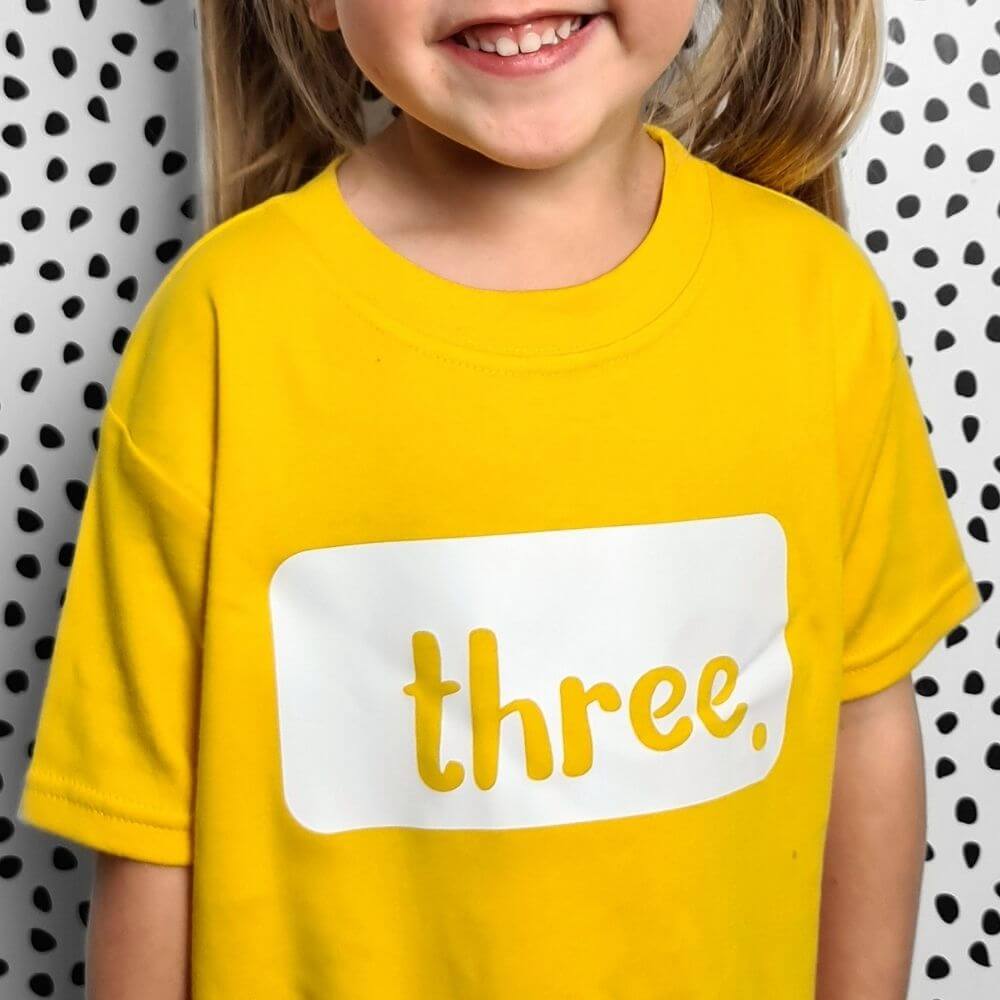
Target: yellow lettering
x: 714, y: 722
x: 642, y: 713
x: 428, y: 692
x: 578, y: 742
x: 488, y: 713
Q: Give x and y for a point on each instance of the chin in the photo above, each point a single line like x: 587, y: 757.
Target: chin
x: 528, y: 147
x: 529, y: 159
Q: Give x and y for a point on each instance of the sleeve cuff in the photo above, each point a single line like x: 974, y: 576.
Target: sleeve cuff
x: 957, y: 602
x: 67, y: 813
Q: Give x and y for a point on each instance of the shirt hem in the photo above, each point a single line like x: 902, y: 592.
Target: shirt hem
x: 956, y: 603
x: 87, y: 821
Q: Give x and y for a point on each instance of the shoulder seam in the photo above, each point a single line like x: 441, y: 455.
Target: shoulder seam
x: 189, y: 498
x: 207, y: 237
x: 875, y: 445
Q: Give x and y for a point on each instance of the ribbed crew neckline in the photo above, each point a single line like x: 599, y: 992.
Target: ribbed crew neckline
x: 533, y: 328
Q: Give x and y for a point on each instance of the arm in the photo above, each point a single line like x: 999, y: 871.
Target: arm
x: 137, y: 936
x: 874, y: 849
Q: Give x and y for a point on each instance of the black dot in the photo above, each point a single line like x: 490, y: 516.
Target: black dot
x: 933, y: 156
x: 41, y: 940
x: 946, y: 294
x: 110, y: 77
x: 76, y: 493
x: 124, y: 42
x: 979, y: 954
x: 154, y: 128
x: 965, y: 383
x: 101, y: 173
x: 56, y: 123
x: 64, y: 61
x: 72, y: 307
x: 50, y: 437
x: 981, y: 160
x: 127, y: 289
x: 877, y: 172
x: 98, y: 267
x: 168, y: 250
x: 51, y: 270
x: 937, y: 967
x: 974, y: 253
x: 41, y: 985
x: 63, y: 859
x: 10, y: 866
x: 892, y: 122
x: 935, y: 110
x: 956, y: 203
x: 32, y: 219
x: 946, y: 48
x: 174, y: 162
x: 166, y: 60
x: 946, y: 722
x: 97, y: 108
x: 16, y: 681
x: 947, y: 907
x: 895, y: 76
x: 14, y: 89
x: 56, y: 169
x: 13, y: 135
x: 79, y: 217
x: 28, y: 566
x: 944, y: 767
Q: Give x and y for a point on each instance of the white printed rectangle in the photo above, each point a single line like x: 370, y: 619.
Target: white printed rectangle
x: 533, y: 678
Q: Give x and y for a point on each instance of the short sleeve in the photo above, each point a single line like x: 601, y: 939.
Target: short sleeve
x: 905, y: 582
x: 114, y: 754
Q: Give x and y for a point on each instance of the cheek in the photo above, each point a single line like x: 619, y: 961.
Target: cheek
x: 654, y: 28
x: 381, y: 35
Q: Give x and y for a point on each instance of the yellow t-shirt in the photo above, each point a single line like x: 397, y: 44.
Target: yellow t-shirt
x: 484, y: 644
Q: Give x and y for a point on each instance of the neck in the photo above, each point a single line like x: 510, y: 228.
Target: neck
x: 410, y: 181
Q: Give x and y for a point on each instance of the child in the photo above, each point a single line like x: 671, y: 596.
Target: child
x: 500, y: 524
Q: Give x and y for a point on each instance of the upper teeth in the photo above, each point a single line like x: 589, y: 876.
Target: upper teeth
x: 531, y: 41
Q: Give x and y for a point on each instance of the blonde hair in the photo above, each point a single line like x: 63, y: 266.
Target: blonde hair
x: 767, y: 90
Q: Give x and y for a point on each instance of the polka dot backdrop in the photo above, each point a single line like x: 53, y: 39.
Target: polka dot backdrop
x: 99, y: 184
x: 924, y: 191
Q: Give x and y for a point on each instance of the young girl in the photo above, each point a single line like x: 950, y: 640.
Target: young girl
x: 502, y: 522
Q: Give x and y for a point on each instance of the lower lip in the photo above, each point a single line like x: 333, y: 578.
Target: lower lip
x: 525, y: 63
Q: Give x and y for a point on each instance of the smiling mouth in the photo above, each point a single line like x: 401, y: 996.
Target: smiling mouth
x: 506, y: 40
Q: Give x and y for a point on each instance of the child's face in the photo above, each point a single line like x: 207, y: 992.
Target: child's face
x: 515, y: 112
